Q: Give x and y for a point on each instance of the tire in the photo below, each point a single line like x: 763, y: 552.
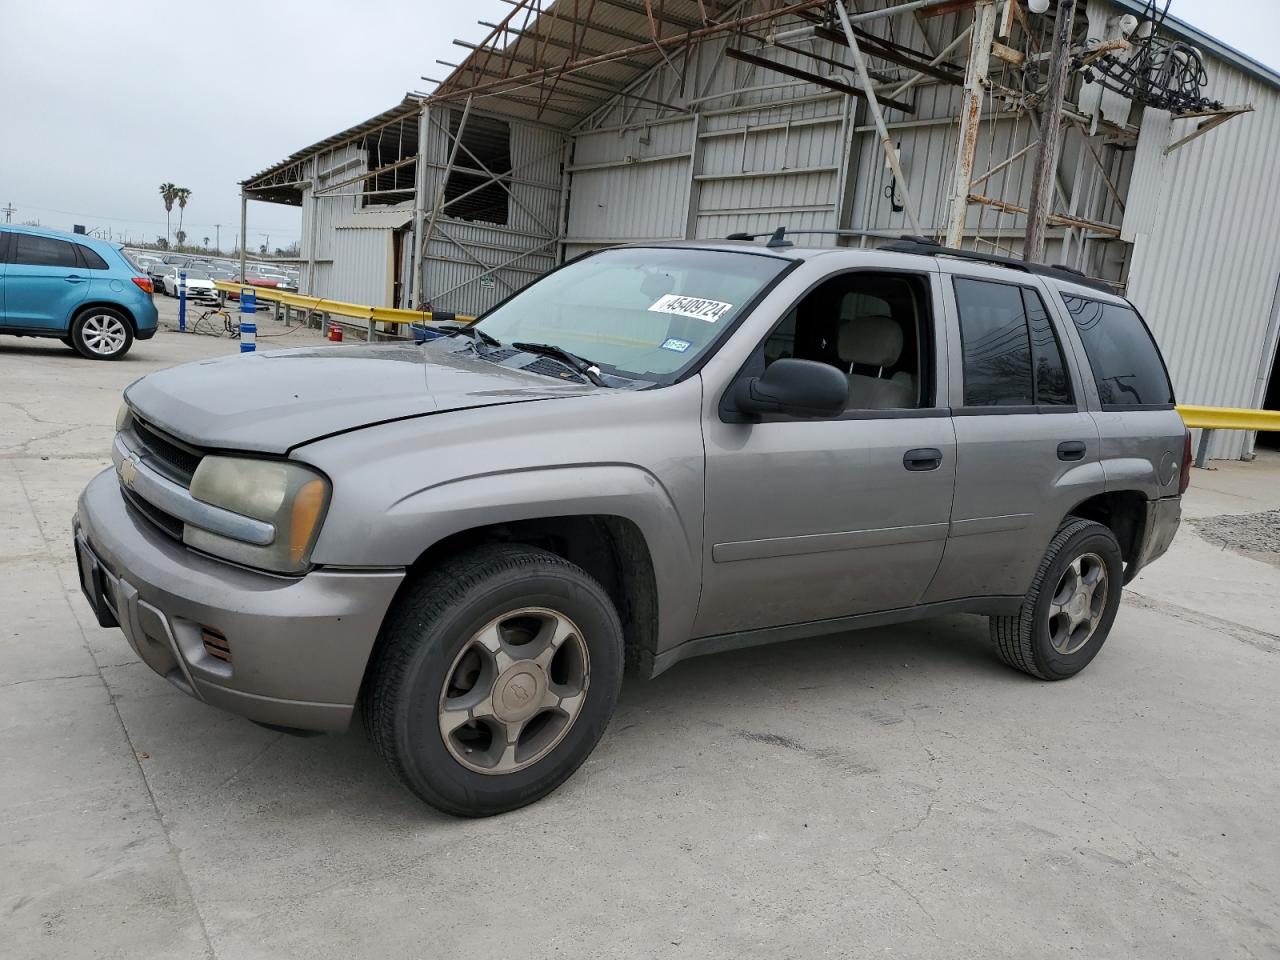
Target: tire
x: 101, y: 333
x: 435, y: 653
x: 1053, y: 640
x: 69, y: 341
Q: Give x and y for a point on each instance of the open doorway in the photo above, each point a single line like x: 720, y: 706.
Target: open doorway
x: 1271, y: 439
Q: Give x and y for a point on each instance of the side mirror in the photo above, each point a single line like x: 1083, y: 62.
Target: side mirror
x: 797, y: 388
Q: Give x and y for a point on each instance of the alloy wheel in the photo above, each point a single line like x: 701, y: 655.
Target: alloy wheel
x: 104, y: 334
x: 1077, y: 605
x: 514, y: 690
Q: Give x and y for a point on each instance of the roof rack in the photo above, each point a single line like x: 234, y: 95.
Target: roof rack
x: 923, y: 246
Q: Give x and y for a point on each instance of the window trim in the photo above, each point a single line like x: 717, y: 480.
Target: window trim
x: 1122, y: 407
x: 755, y: 358
x: 974, y: 410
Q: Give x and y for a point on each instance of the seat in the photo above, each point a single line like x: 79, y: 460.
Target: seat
x: 872, y: 341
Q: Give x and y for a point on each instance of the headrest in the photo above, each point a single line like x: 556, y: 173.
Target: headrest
x: 871, y: 341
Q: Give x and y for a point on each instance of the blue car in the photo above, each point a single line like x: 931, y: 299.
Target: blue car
x: 83, y: 291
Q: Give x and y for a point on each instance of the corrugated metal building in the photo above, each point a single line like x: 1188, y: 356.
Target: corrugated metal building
x: 563, y: 132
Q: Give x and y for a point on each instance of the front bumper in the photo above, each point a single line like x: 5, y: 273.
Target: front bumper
x: 298, y: 646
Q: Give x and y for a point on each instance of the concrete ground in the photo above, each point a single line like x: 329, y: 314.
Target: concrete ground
x: 895, y: 792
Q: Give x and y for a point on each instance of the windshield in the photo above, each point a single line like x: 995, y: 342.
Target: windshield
x: 193, y: 274
x: 644, y: 313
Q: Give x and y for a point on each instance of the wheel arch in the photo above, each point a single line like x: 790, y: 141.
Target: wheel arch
x: 1124, y: 513
x: 108, y: 304
x: 610, y: 548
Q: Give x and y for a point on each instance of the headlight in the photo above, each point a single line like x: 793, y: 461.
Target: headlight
x: 123, y: 416
x: 287, y: 495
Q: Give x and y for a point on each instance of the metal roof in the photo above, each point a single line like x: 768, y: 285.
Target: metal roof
x: 280, y: 182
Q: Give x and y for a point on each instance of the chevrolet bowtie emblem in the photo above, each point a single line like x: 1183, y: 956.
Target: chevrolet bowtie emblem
x: 128, y: 473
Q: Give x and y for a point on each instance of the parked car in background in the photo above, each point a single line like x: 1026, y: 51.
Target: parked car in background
x: 458, y: 541
x: 156, y: 270
x: 200, y: 285
x: 82, y: 291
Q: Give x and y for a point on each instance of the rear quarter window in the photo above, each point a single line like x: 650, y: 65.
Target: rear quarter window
x: 1126, y: 364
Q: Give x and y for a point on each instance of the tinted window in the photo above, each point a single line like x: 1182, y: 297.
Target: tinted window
x: 44, y: 251
x: 1126, y: 364
x: 1052, y: 384
x: 92, y: 260
x: 997, y: 348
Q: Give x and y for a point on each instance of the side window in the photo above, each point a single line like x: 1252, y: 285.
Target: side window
x: 872, y: 327
x: 92, y: 260
x: 1011, y: 354
x: 43, y: 251
x: 1126, y: 364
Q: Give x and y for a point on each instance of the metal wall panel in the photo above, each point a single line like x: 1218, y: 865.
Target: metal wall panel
x: 1204, y: 274
x: 470, y: 266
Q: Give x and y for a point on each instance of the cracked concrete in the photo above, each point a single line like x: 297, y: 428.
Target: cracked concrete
x: 893, y: 792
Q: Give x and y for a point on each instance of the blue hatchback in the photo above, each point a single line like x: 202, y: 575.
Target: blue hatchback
x: 83, y: 291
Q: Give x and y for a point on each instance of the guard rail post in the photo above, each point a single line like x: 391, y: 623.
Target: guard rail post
x: 1202, y: 448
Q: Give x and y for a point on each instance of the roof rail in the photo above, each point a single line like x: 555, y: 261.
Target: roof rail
x: 923, y: 246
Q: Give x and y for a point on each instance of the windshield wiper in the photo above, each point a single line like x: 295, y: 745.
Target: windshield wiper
x: 571, y: 360
x: 476, y: 333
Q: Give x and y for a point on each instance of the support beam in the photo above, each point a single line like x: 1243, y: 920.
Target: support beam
x: 789, y: 71
x: 873, y: 105
x: 1079, y: 223
x: 1042, y: 182
x: 444, y: 179
x: 984, y: 31
x: 244, y: 226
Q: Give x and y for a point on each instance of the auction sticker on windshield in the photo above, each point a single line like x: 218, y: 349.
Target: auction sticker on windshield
x: 695, y: 307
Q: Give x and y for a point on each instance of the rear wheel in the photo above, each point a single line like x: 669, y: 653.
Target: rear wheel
x: 494, y: 678
x: 1067, y: 614
x: 101, y: 333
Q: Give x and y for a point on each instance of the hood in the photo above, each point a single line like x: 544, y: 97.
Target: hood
x: 272, y: 402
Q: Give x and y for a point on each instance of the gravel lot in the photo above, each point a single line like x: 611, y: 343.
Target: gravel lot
x: 1253, y: 534
x: 894, y: 792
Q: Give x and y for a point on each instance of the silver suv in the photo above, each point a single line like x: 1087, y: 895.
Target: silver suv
x: 652, y: 453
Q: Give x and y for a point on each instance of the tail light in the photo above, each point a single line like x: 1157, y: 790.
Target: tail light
x: 144, y: 284
x: 1184, y: 480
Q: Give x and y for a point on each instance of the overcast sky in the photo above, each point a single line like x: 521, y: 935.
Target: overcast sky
x: 101, y: 102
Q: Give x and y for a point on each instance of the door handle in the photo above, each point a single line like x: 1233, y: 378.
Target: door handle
x: 1071, y: 450
x: 924, y: 458
x: 73, y: 278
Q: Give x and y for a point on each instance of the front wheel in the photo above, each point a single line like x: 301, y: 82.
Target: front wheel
x: 1068, y: 612
x: 494, y: 678
x: 101, y: 333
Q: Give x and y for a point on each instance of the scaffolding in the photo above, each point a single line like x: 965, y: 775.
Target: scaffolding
x: 573, y: 67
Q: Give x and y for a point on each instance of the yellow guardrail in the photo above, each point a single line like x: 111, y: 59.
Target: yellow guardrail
x: 1229, y: 418
x: 355, y: 311
x: 1209, y: 419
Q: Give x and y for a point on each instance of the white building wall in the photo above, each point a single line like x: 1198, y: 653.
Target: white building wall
x: 1206, y: 262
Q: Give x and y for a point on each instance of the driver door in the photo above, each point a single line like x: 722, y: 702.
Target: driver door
x: 816, y: 519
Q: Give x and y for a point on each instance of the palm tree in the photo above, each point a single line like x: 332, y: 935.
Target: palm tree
x: 181, y: 194
x: 206, y: 243
x: 180, y: 237
x: 168, y: 193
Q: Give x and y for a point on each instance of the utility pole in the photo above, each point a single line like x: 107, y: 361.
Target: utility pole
x: 1050, y: 129
x: 9, y: 211
x: 244, y: 214
x: 218, y: 241
x: 975, y: 86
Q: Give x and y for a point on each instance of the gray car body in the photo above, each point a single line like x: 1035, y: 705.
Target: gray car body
x: 745, y: 533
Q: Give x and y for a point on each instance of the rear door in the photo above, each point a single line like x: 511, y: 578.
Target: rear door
x: 44, y: 283
x: 1027, y: 447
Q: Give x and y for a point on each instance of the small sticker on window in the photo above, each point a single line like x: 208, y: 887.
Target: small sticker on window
x: 695, y: 307
x: 674, y: 343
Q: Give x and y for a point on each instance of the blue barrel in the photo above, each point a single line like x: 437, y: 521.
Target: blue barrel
x: 248, y: 300
x: 248, y: 336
